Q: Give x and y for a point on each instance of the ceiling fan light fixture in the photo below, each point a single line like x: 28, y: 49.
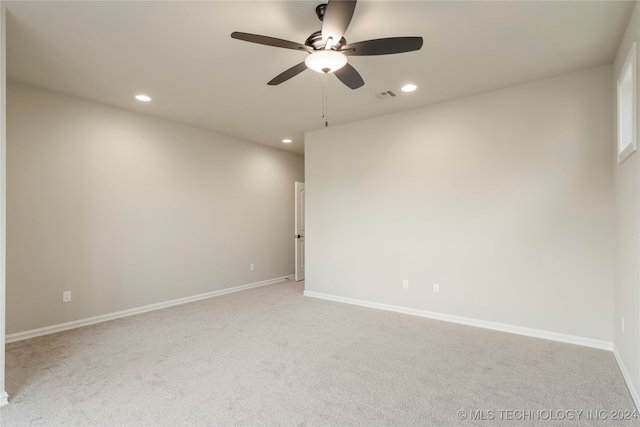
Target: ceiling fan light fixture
x: 325, y: 61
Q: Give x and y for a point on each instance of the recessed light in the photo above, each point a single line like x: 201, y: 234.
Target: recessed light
x: 143, y: 98
x: 409, y: 88
x: 287, y: 141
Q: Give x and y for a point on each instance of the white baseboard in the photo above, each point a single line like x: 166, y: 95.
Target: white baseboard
x: 4, y: 399
x: 131, y: 312
x: 502, y: 327
x: 627, y: 378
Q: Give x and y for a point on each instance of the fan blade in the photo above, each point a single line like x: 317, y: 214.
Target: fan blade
x: 269, y: 41
x: 291, y: 72
x: 349, y: 76
x: 337, y: 17
x: 383, y: 46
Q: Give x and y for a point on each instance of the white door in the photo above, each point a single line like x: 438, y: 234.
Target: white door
x: 299, y: 236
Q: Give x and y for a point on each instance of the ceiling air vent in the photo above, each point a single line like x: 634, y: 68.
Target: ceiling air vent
x: 385, y: 95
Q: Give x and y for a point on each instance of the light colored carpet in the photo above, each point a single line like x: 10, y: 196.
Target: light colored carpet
x: 269, y: 356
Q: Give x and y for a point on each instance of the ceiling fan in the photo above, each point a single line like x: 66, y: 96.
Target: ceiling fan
x: 328, y: 49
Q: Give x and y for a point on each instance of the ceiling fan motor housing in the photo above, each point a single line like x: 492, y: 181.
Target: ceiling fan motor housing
x: 320, y: 11
x: 315, y: 41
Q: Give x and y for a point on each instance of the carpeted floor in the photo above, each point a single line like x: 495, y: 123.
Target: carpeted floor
x: 269, y: 356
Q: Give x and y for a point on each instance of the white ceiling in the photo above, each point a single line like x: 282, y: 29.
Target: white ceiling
x: 181, y: 54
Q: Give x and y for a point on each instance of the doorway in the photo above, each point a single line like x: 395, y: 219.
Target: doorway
x: 299, y: 231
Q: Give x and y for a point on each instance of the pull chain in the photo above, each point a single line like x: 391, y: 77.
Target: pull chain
x: 324, y: 100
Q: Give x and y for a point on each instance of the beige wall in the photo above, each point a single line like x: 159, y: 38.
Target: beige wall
x: 127, y: 210
x: 3, y: 79
x: 505, y: 199
x: 627, y: 202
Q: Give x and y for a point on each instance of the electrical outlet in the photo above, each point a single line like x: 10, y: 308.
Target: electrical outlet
x: 252, y: 267
x: 622, y: 324
x: 436, y: 288
x: 405, y: 284
x: 66, y: 296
